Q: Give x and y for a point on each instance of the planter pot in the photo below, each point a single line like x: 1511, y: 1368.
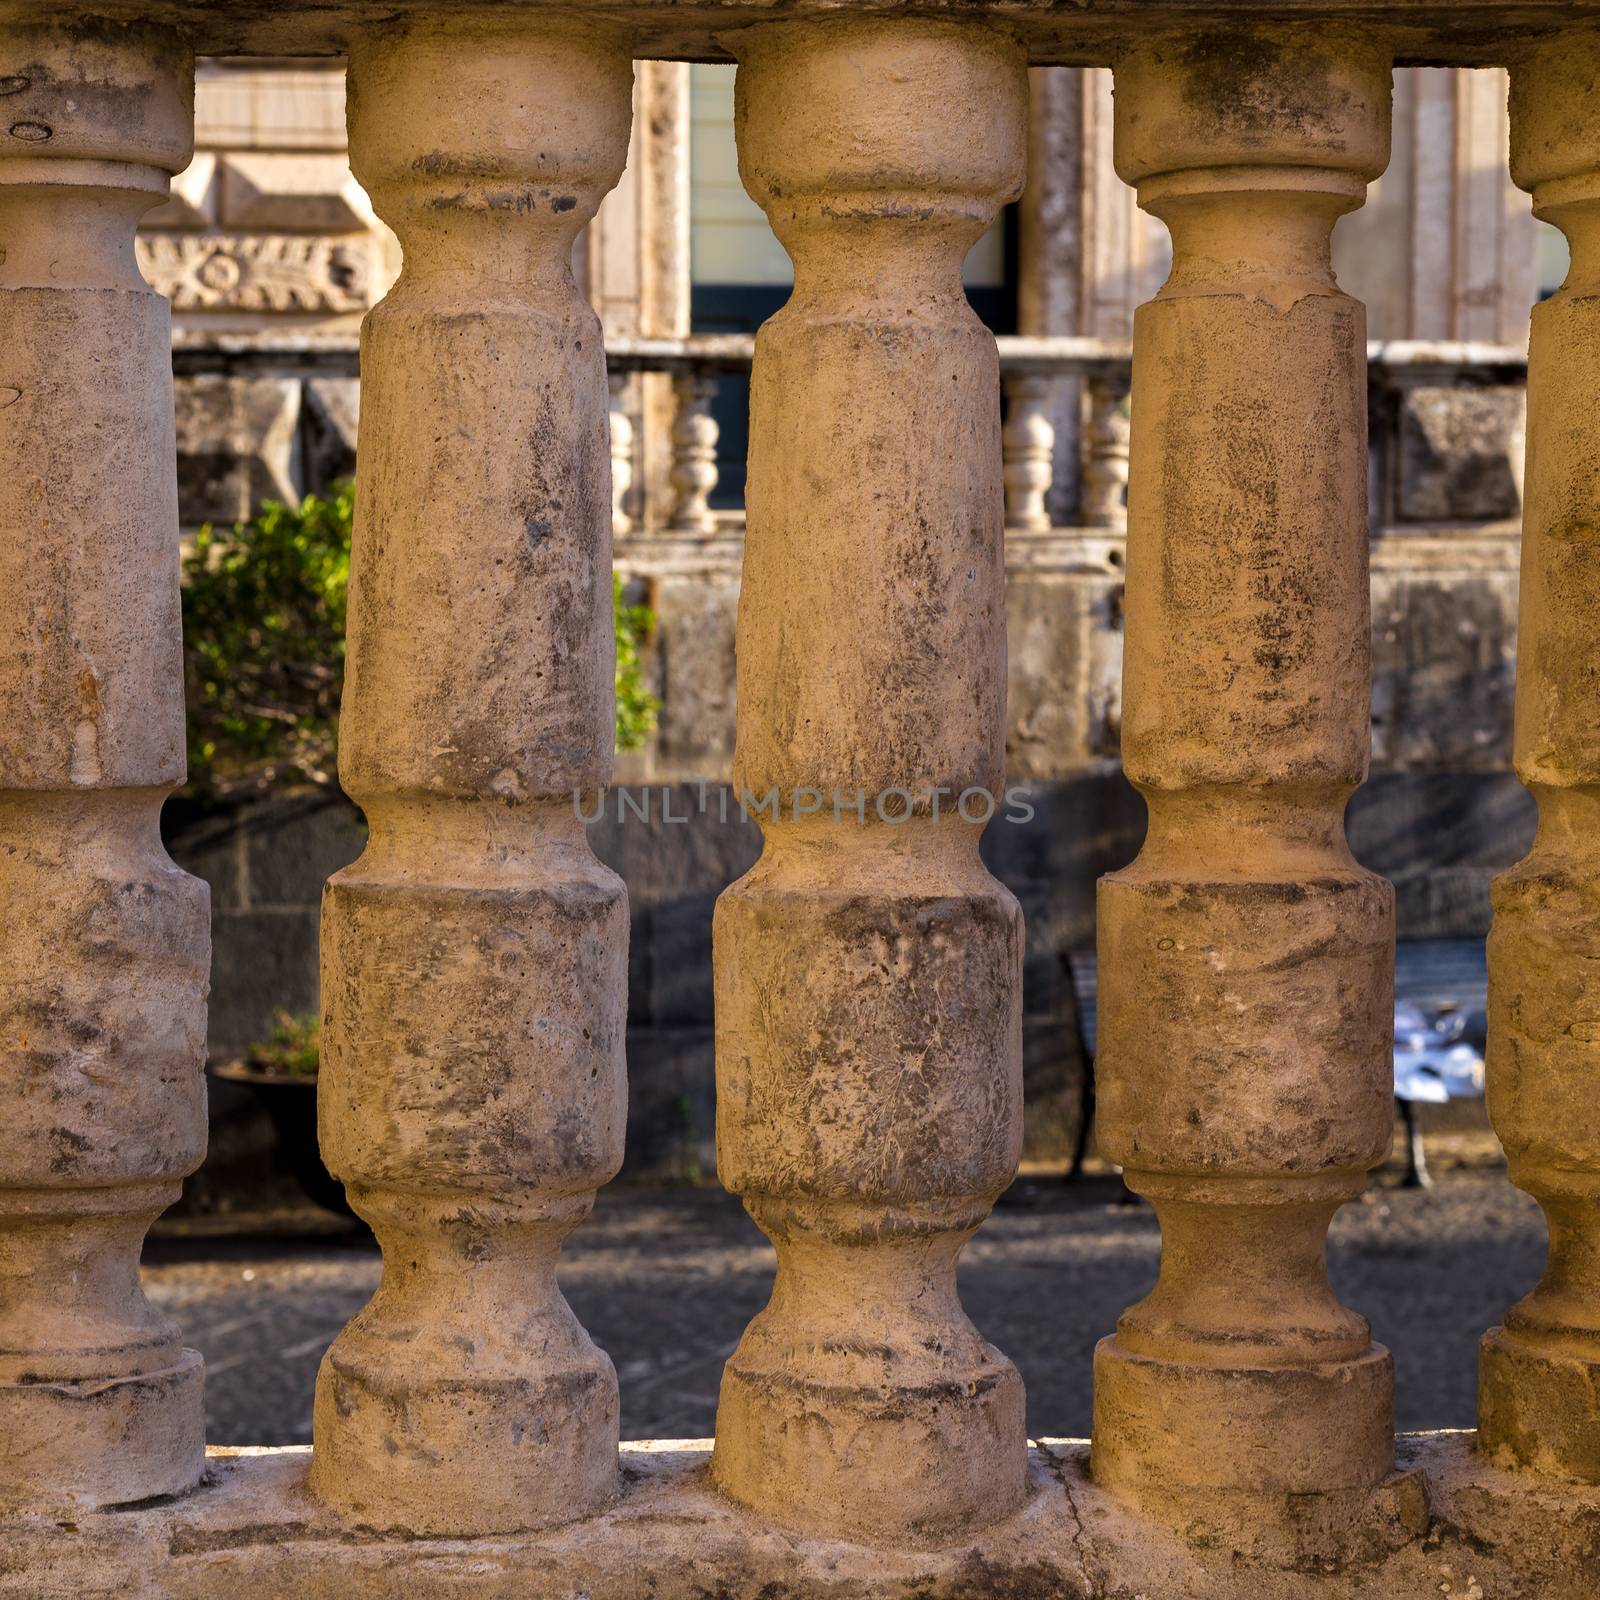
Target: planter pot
x: 290, y: 1100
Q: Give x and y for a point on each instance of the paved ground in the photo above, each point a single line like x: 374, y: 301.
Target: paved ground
x: 666, y: 1279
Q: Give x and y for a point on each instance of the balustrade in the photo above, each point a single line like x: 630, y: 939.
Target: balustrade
x: 1246, y: 961
x: 1105, y: 452
x: 1539, y: 1375
x: 474, y: 958
x: 1028, y: 447
x: 1030, y: 368
x: 694, y: 454
x: 104, y: 943
x: 472, y: 1090
x: 622, y: 440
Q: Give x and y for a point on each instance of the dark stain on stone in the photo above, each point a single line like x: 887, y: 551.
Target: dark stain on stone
x: 443, y: 164
x: 564, y: 202
x: 69, y: 1147
x: 981, y: 1578
x: 1259, y: 87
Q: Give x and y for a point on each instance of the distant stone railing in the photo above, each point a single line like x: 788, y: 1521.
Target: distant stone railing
x: 870, y: 1441
x: 1030, y: 369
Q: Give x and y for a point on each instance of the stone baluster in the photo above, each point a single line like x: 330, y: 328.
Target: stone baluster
x: 1028, y: 448
x: 1104, y: 464
x: 694, y: 454
x: 1246, y: 960
x: 1539, y: 1373
x: 868, y: 967
x: 104, y: 943
x: 474, y: 958
x: 621, y: 453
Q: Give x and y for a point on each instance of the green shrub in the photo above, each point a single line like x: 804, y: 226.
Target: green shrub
x: 294, y: 1046
x: 263, y: 627
x: 636, y: 706
x: 263, y: 637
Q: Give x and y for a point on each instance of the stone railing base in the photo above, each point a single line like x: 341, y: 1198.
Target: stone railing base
x: 1446, y: 1523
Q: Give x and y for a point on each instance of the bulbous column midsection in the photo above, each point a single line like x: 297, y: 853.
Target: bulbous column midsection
x: 1539, y: 1372
x: 104, y: 943
x: 1246, y: 960
x: 472, y: 1092
x: 867, y: 969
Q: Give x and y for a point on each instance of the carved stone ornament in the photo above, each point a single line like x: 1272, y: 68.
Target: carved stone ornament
x: 259, y: 272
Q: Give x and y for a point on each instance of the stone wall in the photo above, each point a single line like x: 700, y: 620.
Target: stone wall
x: 258, y: 425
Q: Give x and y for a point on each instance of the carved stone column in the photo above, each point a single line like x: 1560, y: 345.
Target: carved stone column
x: 622, y: 440
x: 1246, y: 961
x: 1539, y: 1374
x: 868, y: 967
x: 694, y: 454
x: 474, y: 958
x: 104, y: 943
x: 1104, y: 472
x: 1028, y: 447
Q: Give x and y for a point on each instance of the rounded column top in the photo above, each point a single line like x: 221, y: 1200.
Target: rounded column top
x: 505, y: 114
x: 857, y: 105
x: 1278, y: 97
x: 96, y: 93
x: 1555, y: 111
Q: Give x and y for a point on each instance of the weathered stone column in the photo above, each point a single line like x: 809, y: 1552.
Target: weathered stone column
x: 868, y: 967
x: 104, y: 943
x: 472, y: 1090
x: 1103, y: 474
x: 1245, y: 959
x: 622, y: 442
x: 1539, y: 1374
x: 1028, y: 448
x: 694, y: 454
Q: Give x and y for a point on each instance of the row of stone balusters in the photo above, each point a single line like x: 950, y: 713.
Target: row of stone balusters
x: 1027, y: 445
x: 472, y: 1093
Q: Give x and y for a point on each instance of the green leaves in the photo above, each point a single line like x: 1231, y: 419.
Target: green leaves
x: 294, y: 1045
x: 636, y: 706
x: 264, y: 637
x: 263, y: 633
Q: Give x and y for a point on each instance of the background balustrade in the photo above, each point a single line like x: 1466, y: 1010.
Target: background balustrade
x: 1104, y: 497
x: 473, y: 1087
x: 104, y: 944
x: 694, y: 454
x: 622, y: 437
x: 1032, y: 367
x: 1028, y: 446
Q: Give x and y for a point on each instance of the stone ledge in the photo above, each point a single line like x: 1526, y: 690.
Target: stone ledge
x: 1445, y: 1523
x: 1068, y: 32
